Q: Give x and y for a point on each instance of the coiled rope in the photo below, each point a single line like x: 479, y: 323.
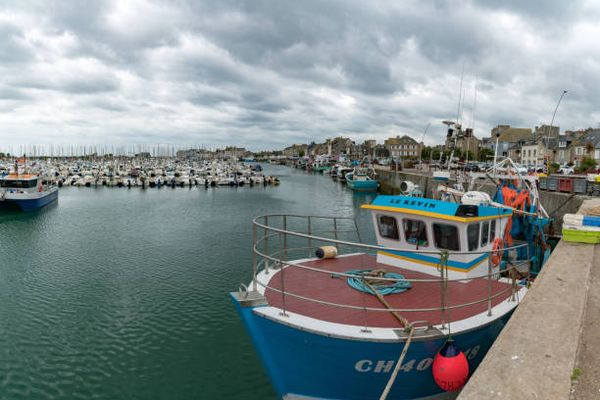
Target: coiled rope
x: 361, y: 281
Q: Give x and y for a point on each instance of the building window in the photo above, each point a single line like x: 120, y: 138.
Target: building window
x: 579, y: 151
x: 415, y: 232
x: 388, y: 227
x: 473, y: 236
x: 446, y: 237
x: 485, y: 233
x: 561, y: 154
x: 596, y: 154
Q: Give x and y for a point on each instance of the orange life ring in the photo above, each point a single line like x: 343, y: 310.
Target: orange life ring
x: 496, y: 254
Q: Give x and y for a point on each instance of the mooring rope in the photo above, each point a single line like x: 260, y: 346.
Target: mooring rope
x: 405, y: 324
x: 383, y: 287
x: 392, y: 379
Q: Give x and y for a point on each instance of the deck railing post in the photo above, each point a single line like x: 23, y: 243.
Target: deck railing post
x: 266, y: 240
x: 489, y: 299
x: 281, y: 272
x: 285, y: 237
x: 309, y: 239
x: 335, y: 232
x: 444, y: 284
x: 513, y: 276
x: 254, y: 264
x: 357, y: 231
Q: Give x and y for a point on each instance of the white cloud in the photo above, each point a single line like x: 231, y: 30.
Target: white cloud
x: 265, y: 74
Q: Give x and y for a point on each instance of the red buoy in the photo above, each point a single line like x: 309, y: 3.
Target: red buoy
x: 450, y: 368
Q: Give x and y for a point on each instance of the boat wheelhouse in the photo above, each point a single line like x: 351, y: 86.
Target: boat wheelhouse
x: 410, y: 224
x: 337, y: 327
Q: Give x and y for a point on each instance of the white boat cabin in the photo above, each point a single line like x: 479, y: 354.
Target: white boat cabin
x: 433, y: 226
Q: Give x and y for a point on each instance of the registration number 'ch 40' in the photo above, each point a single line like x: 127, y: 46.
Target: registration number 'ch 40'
x: 386, y: 366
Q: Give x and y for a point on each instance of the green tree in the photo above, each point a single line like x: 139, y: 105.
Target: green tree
x: 586, y: 164
x: 485, y: 153
x: 426, y: 152
x: 589, y: 148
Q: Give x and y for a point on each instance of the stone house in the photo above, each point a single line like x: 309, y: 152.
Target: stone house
x: 586, y: 145
x: 403, y: 147
x: 535, y: 152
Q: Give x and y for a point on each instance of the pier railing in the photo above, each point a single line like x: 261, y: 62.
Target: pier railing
x: 284, y: 241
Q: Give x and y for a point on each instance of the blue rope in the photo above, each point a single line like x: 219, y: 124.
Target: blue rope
x: 382, y: 287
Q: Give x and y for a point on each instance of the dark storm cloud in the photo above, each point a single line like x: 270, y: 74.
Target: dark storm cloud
x: 268, y: 73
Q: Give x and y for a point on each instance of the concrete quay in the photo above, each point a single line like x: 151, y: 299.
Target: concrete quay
x: 550, y: 348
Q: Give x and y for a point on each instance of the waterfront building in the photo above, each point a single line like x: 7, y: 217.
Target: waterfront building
x: 546, y: 131
x: 587, y: 145
x: 295, y: 150
x: 341, y: 146
x: 510, y: 134
x: 534, y: 152
x: 510, y: 141
x: 232, y: 152
x: 563, y: 149
x: 463, y: 140
x: 403, y: 147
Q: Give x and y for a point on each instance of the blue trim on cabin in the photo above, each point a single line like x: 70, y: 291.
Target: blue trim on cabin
x: 432, y: 205
x: 435, y: 260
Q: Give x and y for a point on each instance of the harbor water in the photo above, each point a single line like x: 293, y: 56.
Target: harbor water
x: 123, y: 293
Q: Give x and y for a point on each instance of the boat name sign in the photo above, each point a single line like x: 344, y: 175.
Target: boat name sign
x: 419, y: 203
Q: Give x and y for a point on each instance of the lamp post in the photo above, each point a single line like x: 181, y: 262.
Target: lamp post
x: 554, y: 115
x: 496, y: 151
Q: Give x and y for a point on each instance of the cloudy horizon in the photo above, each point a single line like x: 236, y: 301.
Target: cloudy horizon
x: 266, y: 74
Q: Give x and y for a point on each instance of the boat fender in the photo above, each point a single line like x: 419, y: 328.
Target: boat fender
x: 450, y: 367
x: 326, y: 252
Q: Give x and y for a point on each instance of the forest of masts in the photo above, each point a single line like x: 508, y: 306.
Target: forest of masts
x: 91, y: 150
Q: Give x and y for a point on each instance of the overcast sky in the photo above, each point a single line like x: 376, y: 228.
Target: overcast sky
x: 265, y: 74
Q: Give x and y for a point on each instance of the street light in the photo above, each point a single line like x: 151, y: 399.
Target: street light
x: 554, y: 115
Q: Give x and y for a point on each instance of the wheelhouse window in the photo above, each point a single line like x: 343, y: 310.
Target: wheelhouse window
x: 492, y: 230
x: 473, y: 236
x: 485, y: 233
x: 446, y: 237
x: 18, y: 183
x: 388, y: 228
x: 415, y: 232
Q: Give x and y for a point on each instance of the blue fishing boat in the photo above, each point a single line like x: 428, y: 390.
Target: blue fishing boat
x: 25, y: 192
x: 367, y: 321
x: 361, y: 179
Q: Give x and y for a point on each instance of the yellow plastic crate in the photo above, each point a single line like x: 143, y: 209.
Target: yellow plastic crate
x: 579, y: 236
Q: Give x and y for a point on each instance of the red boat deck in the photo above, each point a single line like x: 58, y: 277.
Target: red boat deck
x: 327, y: 287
